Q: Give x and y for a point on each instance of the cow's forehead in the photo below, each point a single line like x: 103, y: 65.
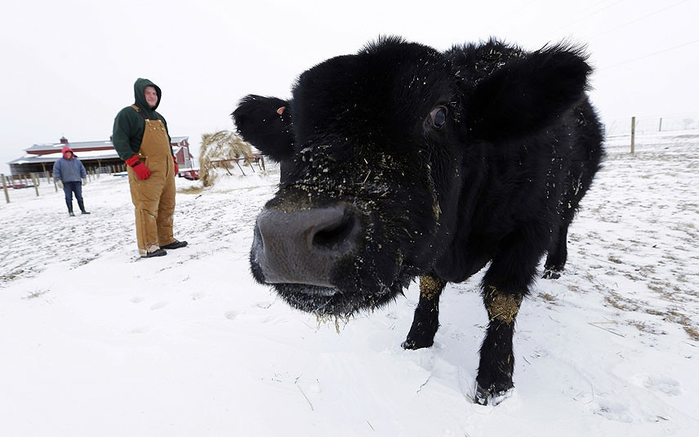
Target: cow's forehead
x: 397, y: 85
x: 376, y: 73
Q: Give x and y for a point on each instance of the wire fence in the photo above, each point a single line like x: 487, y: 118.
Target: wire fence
x: 648, y: 125
x: 34, y: 180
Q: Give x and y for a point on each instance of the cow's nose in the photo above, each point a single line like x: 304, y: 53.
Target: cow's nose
x: 302, y: 247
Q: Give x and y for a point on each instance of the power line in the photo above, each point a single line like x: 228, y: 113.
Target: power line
x: 651, y: 54
x: 638, y: 19
x: 592, y: 6
x: 518, y: 11
x: 584, y: 17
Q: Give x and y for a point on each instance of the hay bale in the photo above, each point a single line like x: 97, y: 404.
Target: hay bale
x: 219, y: 146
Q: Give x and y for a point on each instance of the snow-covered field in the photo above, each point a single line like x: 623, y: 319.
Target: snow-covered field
x: 96, y: 342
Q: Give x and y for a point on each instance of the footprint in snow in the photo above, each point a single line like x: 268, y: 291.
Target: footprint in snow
x: 663, y: 384
x: 613, y: 410
x: 137, y: 299
x: 158, y: 305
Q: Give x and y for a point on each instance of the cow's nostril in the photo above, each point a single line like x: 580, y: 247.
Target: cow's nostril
x: 303, y: 247
x: 334, y: 234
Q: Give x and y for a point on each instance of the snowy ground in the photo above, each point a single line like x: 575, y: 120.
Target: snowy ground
x: 94, y: 341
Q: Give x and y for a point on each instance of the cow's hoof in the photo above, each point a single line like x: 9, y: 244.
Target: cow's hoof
x: 552, y: 274
x: 412, y: 344
x: 492, y: 395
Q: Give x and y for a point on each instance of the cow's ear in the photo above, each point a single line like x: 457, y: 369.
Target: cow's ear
x: 528, y: 93
x: 265, y: 122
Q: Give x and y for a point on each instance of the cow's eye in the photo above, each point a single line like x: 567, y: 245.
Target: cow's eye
x: 438, y: 117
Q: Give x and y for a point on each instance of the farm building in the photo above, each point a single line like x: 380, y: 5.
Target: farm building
x: 96, y: 156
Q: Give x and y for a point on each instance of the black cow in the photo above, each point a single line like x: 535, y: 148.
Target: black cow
x: 402, y: 161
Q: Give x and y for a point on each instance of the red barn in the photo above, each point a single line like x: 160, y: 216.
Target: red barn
x: 96, y: 156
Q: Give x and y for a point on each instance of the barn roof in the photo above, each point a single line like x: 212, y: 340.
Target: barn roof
x: 51, y: 157
x: 81, y: 146
x: 84, y: 150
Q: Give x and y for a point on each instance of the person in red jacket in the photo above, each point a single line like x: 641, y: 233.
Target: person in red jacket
x: 69, y: 174
x: 141, y: 139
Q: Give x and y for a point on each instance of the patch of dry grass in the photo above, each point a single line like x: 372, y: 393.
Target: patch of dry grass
x: 672, y: 315
x: 196, y: 189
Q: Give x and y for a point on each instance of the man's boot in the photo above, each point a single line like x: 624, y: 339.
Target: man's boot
x: 82, y: 208
x: 70, y: 211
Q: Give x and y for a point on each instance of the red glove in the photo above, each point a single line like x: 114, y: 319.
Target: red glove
x: 177, y: 169
x: 140, y: 169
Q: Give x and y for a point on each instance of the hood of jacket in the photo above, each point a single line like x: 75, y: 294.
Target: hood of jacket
x: 139, y: 88
x: 65, y: 150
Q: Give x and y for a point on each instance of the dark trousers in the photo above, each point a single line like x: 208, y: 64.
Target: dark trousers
x: 73, y: 187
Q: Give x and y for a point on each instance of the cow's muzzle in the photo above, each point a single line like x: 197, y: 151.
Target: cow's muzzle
x: 304, y: 247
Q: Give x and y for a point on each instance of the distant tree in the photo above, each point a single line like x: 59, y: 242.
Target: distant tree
x: 688, y: 122
x: 215, y: 149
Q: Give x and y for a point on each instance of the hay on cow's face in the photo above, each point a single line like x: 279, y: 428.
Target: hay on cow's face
x: 219, y: 146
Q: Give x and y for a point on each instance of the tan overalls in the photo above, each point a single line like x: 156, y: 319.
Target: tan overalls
x: 154, y: 198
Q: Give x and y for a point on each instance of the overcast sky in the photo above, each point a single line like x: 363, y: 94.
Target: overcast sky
x: 68, y: 66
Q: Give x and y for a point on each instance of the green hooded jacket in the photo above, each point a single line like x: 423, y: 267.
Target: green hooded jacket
x: 129, y: 125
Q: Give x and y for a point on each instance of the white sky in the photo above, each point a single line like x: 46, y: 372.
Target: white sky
x: 69, y: 66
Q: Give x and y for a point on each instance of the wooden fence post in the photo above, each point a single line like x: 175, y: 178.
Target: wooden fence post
x: 633, y: 133
x: 4, y: 188
x: 35, y: 181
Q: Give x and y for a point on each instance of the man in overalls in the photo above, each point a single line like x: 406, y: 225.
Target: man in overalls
x: 141, y: 139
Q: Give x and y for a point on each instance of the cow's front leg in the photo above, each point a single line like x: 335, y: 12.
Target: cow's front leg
x: 497, y: 361
x: 426, y: 319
